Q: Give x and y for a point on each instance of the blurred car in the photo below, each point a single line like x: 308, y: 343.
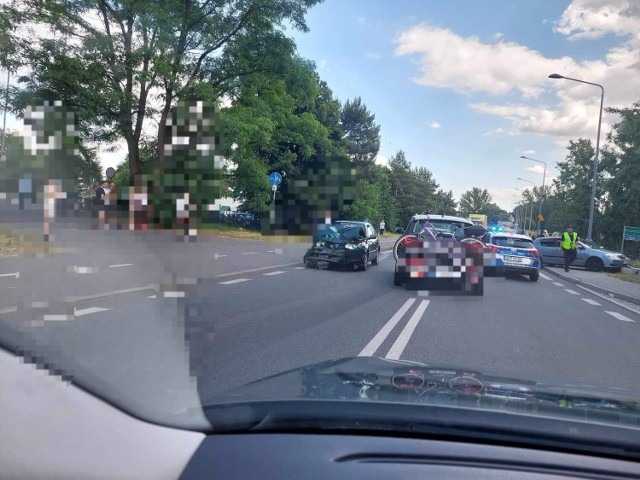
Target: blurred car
x: 444, y: 225
x: 517, y: 252
x: 344, y: 243
x: 594, y: 259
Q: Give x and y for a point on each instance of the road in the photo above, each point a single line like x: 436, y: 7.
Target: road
x: 121, y: 306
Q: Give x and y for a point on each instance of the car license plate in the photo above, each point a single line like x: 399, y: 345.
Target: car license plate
x: 509, y: 258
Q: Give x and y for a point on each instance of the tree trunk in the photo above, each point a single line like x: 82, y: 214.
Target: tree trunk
x: 134, y: 156
x: 161, y: 128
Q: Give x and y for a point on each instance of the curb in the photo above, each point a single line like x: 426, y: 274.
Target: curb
x: 610, y: 293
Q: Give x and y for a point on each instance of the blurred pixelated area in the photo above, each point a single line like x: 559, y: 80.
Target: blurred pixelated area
x: 314, y: 198
x: 446, y: 268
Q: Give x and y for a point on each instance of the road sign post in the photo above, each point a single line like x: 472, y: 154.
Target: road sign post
x: 275, y: 179
x: 630, y: 233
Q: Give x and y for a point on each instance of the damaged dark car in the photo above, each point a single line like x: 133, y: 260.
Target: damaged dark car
x: 345, y: 243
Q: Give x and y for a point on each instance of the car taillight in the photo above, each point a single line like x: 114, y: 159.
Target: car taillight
x: 535, y: 252
x: 494, y: 248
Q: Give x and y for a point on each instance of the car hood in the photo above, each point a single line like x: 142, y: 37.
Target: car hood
x: 371, y: 378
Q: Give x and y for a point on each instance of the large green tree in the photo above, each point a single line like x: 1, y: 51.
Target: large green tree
x: 141, y: 56
x: 361, y: 133
x: 476, y: 200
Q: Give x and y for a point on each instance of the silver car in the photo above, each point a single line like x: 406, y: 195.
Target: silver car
x: 595, y: 259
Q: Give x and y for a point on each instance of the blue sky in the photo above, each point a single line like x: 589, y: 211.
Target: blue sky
x: 461, y: 86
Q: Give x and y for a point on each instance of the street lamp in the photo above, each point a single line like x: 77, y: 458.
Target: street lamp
x: 544, y: 177
x: 531, y: 212
x: 592, y: 201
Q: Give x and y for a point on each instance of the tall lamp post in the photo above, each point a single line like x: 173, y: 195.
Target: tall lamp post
x: 595, y: 163
x: 544, y: 177
x: 531, y: 212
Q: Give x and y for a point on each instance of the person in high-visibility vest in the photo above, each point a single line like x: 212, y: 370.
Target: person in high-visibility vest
x: 569, y: 244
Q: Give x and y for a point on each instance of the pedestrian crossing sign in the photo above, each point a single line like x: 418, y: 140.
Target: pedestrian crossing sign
x: 540, y: 218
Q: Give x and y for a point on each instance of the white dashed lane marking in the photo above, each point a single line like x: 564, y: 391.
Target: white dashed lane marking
x: 545, y: 277
x: 121, y: 265
x: 89, y: 311
x: 619, y: 316
x: 558, y: 284
x: 277, y: 272
x: 298, y: 268
x: 572, y: 292
x: 591, y: 302
x: 249, y: 253
x: 16, y: 274
x: 237, y: 280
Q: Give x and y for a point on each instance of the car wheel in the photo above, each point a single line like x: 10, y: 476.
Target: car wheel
x: 534, y: 277
x: 376, y: 260
x: 310, y: 263
x: 364, y: 263
x: 595, y: 264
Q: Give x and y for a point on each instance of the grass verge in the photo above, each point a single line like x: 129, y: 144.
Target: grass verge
x: 15, y: 245
x: 627, y: 277
x: 229, y: 231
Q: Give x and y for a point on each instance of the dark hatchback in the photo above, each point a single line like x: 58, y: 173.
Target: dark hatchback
x: 344, y: 243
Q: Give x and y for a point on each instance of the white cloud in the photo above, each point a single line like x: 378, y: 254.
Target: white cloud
x: 382, y: 159
x: 372, y: 55
x: 435, y: 125
x: 589, y: 19
x: 497, y: 132
x: 505, y: 198
x: 467, y: 65
x: 536, y: 169
x: 498, y: 36
x: 529, y: 152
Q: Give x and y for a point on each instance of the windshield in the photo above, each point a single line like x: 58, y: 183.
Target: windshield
x: 196, y: 196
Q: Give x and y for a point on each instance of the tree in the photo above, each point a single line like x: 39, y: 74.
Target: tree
x: 361, y: 133
x: 570, y: 204
x: 621, y: 171
x: 273, y: 126
x: 475, y: 200
x: 109, y: 70
x: 404, y: 186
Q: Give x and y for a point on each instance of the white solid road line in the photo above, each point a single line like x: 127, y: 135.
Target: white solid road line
x: 591, y: 302
x: 237, y: 280
x: 384, y: 332
x: 278, y: 272
x: 401, y: 342
x: 109, y: 294
x: 16, y: 274
x: 253, y: 270
x: 558, y: 284
x: 89, y: 311
x: 619, y: 316
x: 612, y: 300
x: 121, y: 265
x: 545, y: 277
x: 572, y: 292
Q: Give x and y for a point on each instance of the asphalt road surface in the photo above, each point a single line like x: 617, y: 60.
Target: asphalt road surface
x: 121, y: 306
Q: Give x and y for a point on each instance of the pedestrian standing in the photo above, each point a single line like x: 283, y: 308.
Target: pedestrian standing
x: 569, y: 244
x: 382, y: 225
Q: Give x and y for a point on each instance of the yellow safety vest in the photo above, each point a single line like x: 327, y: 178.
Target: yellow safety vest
x: 568, y: 242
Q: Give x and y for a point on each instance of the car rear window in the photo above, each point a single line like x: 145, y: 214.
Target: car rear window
x: 512, y: 242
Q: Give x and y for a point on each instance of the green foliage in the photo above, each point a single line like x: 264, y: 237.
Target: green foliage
x: 476, y: 200
x: 362, y: 134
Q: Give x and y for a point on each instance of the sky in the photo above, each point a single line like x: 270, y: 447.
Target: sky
x: 462, y: 86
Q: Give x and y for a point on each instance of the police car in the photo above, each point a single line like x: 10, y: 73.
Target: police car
x: 517, y: 252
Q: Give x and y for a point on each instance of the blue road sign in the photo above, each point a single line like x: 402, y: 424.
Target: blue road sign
x: 275, y: 178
